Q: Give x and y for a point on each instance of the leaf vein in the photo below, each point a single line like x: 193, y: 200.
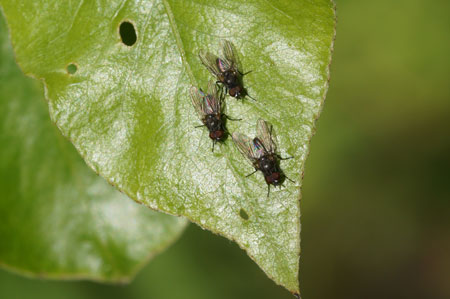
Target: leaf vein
x: 179, y: 42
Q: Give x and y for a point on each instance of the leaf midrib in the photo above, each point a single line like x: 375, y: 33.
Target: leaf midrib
x: 178, y: 41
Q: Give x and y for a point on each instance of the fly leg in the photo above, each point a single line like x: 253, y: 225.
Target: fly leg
x: 219, y: 83
x: 243, y: 74
x: 251, y: 173
x: 287, y: 158
x: 246, y: 94
x: 233, y: 119
x: 289, y: 179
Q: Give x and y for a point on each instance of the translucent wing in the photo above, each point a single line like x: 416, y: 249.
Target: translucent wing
x: 197, y: 100
x: 210, y: 61
x: 215, y: 97
x: 223, y: 65
x: 245, y: 146
x: 265, y: 133
x: 230, y: 55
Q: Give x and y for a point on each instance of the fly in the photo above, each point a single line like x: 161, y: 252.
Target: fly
x: 261, y: 152
x: 209, y: 108
x: 226, y: 69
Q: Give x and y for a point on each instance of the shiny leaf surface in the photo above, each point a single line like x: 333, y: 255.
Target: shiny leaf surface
x: 57, y: 218
x: 127, y: 110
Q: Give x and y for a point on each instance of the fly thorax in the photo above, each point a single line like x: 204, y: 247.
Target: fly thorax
x: 213, y: 122
x: 267, y: 164
x: 230, y: 78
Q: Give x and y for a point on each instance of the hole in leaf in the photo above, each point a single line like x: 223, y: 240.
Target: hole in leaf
x: 243, y: 214
x: 72, y: 68
x: 127, y: 33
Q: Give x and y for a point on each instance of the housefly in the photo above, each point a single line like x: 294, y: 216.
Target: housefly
x: 261, y: 152
x: 226, y: 69
x: 209, y: 107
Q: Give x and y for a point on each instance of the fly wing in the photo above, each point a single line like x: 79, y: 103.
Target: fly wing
x: 265, y: 133
x: 197, y: 100
x: 210, y: 61
x: 223, y: 65
x: 245, y: 146
x: 230, y: 55
x: 215, y: 97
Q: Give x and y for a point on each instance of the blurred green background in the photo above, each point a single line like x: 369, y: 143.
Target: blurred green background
x: 376, y: 195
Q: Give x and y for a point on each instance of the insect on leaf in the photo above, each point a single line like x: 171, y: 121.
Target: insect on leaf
x: 127, y: 108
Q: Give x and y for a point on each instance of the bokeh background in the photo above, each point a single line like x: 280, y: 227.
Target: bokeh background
x: 376, y: 195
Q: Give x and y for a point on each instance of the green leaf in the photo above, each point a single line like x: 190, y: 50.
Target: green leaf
x: 57, y: 218
x: 128, y: 112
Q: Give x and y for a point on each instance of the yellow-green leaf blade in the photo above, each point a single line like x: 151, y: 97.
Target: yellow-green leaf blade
x: 128, y: 112
x: 58, y: 219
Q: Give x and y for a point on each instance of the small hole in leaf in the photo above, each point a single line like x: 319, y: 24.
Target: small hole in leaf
x: 243, y: 214
x: 72, y: 68
x: 127, y: 33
